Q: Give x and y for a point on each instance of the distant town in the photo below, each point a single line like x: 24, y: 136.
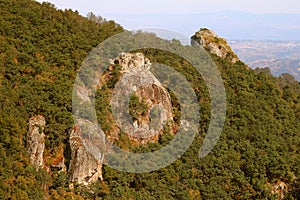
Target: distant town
x: 279, y: 56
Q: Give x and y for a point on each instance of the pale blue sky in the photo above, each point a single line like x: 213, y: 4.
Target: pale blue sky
x: 103, y: 7
x: 187, y: 16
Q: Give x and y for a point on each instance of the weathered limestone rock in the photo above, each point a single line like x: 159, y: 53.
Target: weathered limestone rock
x: 84, y: 167
x: 129, y: 61
x: 86, y: 162
x: 214, y: 44
x: 137, y: 78
x: 36, y: 140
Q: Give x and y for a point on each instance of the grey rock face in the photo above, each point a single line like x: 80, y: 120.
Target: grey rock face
x: 84, y: 167
x: 214, y: 44
x: 138, y: 79
x: 86, y: 158
x: 36, y: 140
x: 129, y: 61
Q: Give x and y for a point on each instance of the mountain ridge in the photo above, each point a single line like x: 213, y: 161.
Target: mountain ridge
x: 231, y: 25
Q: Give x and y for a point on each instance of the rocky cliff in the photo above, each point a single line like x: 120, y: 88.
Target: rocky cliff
x: 132, y: 61
x: 84, y: 168
x: 150, y: 110
x: 36, y: 140
x: 138, y: 80
x: 214, y: 44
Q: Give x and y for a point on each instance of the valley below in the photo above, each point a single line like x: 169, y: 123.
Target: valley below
x: 280, y: 56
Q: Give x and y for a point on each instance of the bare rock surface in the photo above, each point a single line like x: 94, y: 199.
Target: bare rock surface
x: 138, y: 79
x: 36, y: 140
x: 84, y: 167
x: 214, y: 44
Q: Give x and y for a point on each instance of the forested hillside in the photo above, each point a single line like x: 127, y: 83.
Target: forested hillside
x: 41, y: 51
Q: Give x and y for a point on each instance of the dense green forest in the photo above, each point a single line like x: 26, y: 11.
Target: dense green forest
x: 41, y: 51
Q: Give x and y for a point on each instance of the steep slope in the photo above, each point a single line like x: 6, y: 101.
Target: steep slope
x: 41, y: 49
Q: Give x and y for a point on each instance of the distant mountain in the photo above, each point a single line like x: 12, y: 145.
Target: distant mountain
x: 280, y: 56
x: 228, y: 24
x: 279, y: 66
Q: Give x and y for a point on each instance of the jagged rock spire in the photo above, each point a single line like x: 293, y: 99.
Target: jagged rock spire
x: 211, y: 42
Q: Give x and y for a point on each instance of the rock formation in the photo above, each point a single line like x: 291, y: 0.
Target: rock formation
x: 137, y: 79
x: 130, y: 61
x: 36, y: 140
x: 214, y: 44
x: 84, y: 167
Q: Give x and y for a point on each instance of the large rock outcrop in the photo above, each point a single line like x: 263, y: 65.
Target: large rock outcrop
x: 132, y: 61
x: 84, y: 167
x: 214, y: 44
x: 137, y: 79
x: 36, y: 140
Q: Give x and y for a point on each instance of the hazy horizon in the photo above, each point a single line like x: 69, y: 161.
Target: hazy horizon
x: 178, y: 6
x: 252, y: 20
x: 232, y: 25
